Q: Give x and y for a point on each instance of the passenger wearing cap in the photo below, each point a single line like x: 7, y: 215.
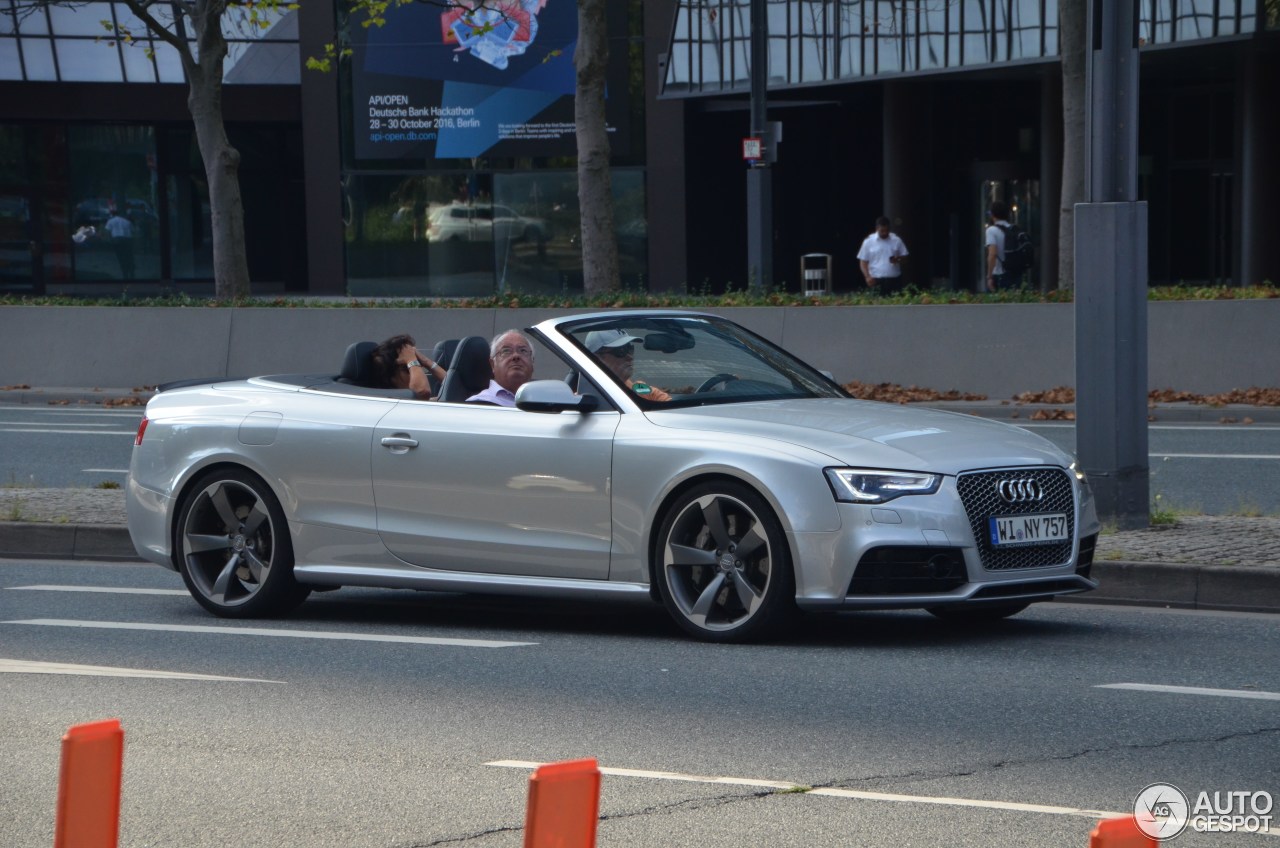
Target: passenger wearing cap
x: 616, y: 351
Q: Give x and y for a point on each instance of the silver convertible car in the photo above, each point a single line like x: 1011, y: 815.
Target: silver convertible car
x: 675, y: 457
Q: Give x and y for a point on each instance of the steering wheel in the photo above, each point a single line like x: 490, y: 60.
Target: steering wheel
x: 716, y: 380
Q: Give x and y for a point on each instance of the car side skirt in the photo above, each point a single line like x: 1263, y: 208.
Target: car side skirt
x: 412, y: 577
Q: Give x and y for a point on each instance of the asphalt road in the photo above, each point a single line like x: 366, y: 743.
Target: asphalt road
x: 332, y: 736
x: 1213, y: 469
x: 1210, y: 469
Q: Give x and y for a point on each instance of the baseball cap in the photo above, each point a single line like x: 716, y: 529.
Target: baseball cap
x: 597, y: 339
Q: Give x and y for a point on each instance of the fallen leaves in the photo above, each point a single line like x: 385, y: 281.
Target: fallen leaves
x: 894, y: 393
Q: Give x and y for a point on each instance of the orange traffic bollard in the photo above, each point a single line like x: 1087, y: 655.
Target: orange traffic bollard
x: 1121, y: 833
x: 89, y: 786
x: 564, y: 805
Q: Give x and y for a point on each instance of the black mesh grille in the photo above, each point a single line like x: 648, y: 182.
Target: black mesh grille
x: 982, y: 500
x: 908, y: 570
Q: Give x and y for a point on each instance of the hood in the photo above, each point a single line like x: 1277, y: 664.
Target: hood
x: 874, y: 434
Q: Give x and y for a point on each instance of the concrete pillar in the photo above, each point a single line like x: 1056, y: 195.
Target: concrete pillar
x: 321, y: 155
x: 1050, y: 177
x: 907, y: 164
x: 1256, y: 181
x: 665, y: 181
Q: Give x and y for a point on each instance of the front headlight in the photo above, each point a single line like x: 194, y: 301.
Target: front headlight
x: 1078, y: 472
x: 868, y: 485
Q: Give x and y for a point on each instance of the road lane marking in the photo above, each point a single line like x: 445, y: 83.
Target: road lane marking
x: 1216, y: 455
x: 264, y: 631
x: 106, y: 470
x: 1194, y: 690
x: 120, y: 590
x: 44, y: 425
x: 71, y: 432
x: 33, y: 667
x: 836, y: 793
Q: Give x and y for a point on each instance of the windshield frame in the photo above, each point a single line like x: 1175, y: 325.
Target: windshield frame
x: 809, y: 382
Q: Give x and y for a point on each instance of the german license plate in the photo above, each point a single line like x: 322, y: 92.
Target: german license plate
x: 1028, y: 529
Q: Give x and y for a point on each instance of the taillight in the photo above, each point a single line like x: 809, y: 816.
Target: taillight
x: 142, y: 429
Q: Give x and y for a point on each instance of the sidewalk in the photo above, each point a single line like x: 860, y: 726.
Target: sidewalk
x: 1201, y: 562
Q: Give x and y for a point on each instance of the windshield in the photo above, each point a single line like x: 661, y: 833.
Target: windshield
x: 688, y: 361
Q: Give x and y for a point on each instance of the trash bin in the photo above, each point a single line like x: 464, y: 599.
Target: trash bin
x: 815, y: 273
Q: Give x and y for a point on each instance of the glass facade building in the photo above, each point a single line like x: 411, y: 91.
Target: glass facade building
x: 814, y: 42
x: 94, y: 127
x: 927, y: 111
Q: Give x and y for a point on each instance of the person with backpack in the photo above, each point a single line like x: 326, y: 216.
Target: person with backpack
x: 1008, y: 250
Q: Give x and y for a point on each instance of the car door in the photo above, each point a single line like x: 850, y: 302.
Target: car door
x: 466, y: 487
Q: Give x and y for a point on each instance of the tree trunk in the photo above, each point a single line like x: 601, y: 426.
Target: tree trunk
x: 595, y: 195
x: 221, y: 160
x: 1072, y: 23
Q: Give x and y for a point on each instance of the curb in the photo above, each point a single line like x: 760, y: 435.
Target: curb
x: 34, y: 540
x: 1234, y: 588
x: 1238, y: 588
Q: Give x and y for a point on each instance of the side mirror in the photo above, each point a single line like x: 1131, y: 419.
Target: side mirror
x: 552, y: 396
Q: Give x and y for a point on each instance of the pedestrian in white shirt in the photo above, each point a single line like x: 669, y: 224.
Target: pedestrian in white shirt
x: 880, y: 258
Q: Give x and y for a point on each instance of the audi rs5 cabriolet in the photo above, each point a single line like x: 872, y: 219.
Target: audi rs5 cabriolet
x: 675, y: 456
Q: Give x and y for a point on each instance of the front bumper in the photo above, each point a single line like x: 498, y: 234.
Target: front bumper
x: 920, y: 551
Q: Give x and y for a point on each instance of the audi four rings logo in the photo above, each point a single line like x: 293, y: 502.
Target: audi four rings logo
x: 1019, y: 491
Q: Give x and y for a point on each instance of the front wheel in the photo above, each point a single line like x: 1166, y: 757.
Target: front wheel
x: 724, y: 570
x: 233, y: 547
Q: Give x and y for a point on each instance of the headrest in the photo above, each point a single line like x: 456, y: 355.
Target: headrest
x: 469, y: 371
x: 442, y: 356
x: 357, y: 365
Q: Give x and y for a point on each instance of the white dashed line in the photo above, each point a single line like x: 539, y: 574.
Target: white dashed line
x: 1194, y: 690
x: 836, y: 793
x: 114, y: 590
x: 33, y: 667
x: 271, y: 632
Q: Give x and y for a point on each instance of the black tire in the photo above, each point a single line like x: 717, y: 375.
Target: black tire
x: 232, y: 547
x: 722, y: 564
x: 979, y: 613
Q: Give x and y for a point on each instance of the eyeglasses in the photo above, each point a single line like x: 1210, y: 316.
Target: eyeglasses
x: 508, y: 352
x: 620, y: 351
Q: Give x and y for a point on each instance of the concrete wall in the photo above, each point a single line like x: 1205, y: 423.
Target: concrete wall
x: 996, y: 350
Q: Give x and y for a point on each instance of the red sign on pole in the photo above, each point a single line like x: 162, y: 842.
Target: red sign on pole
x: 752, y: 148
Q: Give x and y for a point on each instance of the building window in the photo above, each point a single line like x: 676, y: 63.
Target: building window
x: 114, y: 194
x: 85, y: 43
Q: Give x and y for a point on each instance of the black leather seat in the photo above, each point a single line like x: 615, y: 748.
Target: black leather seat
x: 469, y: 370
x: 357, y: 365
x: 442, y: 356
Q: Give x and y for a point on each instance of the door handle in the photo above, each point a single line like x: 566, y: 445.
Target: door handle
x: 399, y: 444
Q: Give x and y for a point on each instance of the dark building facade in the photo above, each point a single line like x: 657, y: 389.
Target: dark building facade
x: 929, y: 111
x: 924, y: 111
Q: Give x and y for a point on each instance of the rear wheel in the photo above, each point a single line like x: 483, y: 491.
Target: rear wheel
x: 234, y: 551
x: 724, y: 570
x: 978, y: 613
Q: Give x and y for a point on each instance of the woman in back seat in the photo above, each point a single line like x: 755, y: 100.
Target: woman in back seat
x: 398, y: 364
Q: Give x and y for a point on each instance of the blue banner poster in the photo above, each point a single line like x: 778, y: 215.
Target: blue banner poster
x: 466, y: 80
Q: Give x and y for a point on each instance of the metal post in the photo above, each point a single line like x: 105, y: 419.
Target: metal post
x: 1111, y: 278
x: 759, y: 176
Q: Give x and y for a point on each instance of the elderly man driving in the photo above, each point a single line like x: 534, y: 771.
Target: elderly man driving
x: 616, y: 351
x: 511, y: 358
